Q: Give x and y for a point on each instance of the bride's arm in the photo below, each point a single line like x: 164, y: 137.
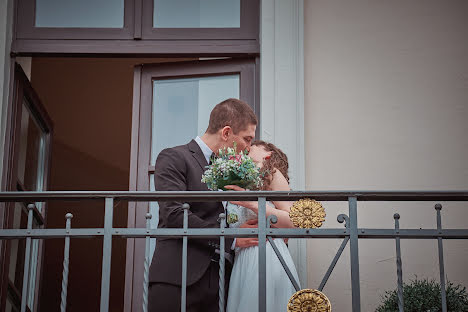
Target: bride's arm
x: 280, y: 208
x: 279, y: 183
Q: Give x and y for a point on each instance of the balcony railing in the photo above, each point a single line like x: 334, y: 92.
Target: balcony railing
x: 351, y: 233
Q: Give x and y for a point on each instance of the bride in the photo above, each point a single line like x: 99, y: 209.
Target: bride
x: 243, y: 286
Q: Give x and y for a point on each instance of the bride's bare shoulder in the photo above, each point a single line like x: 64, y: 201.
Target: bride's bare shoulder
x: 279, y: 182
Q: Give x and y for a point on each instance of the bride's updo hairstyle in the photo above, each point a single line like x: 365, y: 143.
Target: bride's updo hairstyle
x: 277, y: 161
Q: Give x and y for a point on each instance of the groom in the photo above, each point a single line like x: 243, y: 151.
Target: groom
x: 180, y: 169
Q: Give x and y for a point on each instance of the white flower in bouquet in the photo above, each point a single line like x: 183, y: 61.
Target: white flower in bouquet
x: 229, y: 168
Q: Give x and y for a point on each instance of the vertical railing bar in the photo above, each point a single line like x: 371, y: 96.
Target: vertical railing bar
x: 222, y: 218
x: 106, y: 254
x: 333, y: 264
x: 183, y: 301
x: 396, y: 216
x: 66, y: 261
x: 438, y: 207
x: 27, y: 256
x: 353, y: 244
x: 147, y: 263
x: 283, y: 263
x: 262, y: 254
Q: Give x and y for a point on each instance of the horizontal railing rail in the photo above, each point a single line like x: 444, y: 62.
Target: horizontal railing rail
x: 350, y: 233
x: 196, y: 196
x: 241, y: 233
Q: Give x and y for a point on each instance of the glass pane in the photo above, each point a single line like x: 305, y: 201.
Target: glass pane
x: 154, y: 210
x: 33, y: 272
x: 17, y: 254
x: 9, y: 305
x: 83, y: 13
x: 196, y: 14
x: 181, y: 108
x: 31, y: 152
x: 17, y: 248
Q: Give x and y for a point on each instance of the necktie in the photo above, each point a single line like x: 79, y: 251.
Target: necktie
x: 211, y: 158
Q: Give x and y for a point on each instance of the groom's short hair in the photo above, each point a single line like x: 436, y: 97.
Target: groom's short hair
x: 231, y: 112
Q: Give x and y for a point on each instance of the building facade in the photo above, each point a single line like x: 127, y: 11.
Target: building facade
x: 360, y: 97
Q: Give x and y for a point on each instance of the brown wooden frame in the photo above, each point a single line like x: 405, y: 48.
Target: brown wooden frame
x: 138, y: 37
x: 140, y: 168
x: 27, y: 30
x: 21, y: 89
x: 136, y: 48
x: 249, y: 25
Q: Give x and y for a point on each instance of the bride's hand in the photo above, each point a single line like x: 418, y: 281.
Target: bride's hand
x: 248, y: 241
x: 234, y: 188
x: 252, y: 205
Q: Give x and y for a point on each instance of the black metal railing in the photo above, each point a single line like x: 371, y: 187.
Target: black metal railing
x: 351, y: 233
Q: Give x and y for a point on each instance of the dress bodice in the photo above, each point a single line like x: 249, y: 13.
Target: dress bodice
x: 238, y: 215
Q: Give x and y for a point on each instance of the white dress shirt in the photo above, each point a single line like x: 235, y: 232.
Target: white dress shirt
x: 207, y: 152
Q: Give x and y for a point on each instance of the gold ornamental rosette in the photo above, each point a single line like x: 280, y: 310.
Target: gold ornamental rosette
x: 309, y: 300
x: 308, y: 213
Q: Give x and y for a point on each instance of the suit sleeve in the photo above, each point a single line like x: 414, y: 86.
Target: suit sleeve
x: 170, y: 175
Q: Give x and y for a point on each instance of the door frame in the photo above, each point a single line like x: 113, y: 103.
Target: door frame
x: 140, y: 166
x: 281, y: 24
x: 21, y: 89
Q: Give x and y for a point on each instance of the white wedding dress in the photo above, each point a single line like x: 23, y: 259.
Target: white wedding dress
x: 243, y: 286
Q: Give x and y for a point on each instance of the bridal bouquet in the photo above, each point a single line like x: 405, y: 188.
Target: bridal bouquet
x: 229, y: 168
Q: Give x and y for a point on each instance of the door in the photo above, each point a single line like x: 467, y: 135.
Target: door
x: 26, y: 169
x: 172, y: 104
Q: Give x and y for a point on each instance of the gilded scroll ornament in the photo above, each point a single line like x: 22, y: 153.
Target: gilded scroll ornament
x: 307, y: 213
x: 309, y: 300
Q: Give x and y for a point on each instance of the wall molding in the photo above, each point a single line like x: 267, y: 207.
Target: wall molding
x: 282, y: 95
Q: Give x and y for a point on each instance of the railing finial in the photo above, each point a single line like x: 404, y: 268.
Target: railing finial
x: 272, y: 220
x: 343, y: 218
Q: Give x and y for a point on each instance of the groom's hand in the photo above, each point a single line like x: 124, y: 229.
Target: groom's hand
x: 248, y: 241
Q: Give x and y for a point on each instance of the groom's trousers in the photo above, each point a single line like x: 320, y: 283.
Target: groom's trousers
x: 201, y: 296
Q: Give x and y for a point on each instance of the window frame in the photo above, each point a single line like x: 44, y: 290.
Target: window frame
x: 248, y: 29
x: 25, y: 18
x: 137, y: 37
x: 22, y: 89
x: 141, y: 168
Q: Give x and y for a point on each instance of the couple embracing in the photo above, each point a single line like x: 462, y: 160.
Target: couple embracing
x: 232, y: 123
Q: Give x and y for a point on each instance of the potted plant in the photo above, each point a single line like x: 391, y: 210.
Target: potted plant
x: 424, y: 295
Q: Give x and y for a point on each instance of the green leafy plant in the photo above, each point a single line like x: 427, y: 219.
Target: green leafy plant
x: 424, y: 296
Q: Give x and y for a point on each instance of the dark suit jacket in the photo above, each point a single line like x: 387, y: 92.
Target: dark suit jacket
x: 180, y: 169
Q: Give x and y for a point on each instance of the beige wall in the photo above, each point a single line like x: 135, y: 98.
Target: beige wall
x: 386, y: 108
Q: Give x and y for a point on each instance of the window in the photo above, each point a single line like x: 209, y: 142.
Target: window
x: 175, y: 98
x: 208, y: 27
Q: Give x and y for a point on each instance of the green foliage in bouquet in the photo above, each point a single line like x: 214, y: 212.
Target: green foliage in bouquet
x: 424, y: 295
x: 229, y: 168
